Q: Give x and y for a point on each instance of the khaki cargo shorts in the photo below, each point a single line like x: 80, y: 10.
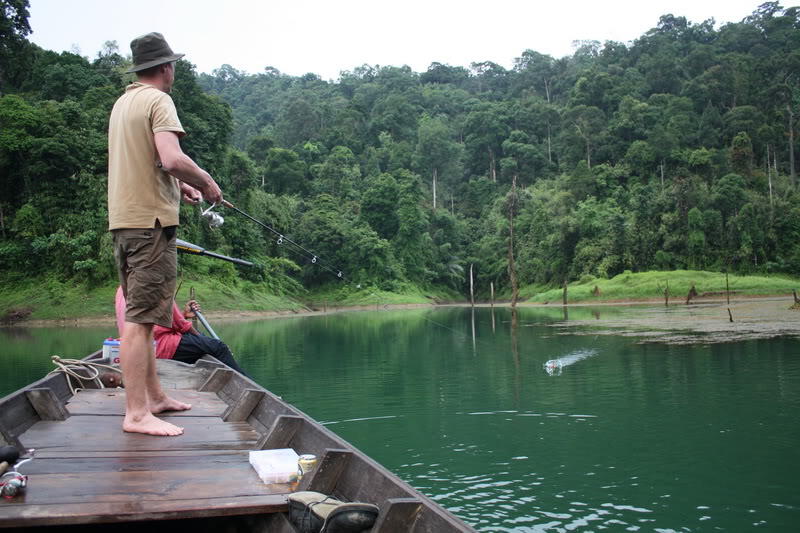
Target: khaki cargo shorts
x: 147, y: 264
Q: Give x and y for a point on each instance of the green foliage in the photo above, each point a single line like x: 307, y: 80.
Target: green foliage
x: 284, y: 172
x: 339, y: 175
x: 379, y: 203
x: 14, y: 27
x: 342, y: 243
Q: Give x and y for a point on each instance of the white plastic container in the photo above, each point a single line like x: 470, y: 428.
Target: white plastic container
x: 275, y: 466
x: 111, y: 350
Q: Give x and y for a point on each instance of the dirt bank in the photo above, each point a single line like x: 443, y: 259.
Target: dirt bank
x: 220, y: 316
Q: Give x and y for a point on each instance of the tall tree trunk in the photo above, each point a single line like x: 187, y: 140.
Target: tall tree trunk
x: 775, y: 162
x: 662, y: 174
x: 492, y: 170
x: 792, y: 171
x: 512, y: 269
x: 769, y: 180
x: 434, y: 188
x: 588, y: 154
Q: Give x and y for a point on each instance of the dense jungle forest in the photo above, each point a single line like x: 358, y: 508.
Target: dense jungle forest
x: 676, y: 150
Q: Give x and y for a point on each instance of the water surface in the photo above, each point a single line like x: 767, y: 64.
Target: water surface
x: 616, y: 436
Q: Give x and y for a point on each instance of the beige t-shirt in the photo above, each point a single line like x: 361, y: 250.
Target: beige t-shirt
x: 139, y: 192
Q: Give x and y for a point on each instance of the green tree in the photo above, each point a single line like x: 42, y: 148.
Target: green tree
x: 586, y: 128
x: 486, y: 129
x: 339, y: 175
x: 284, y: 172
x: 412, y: 243
x: 437, y: 154
x: 379, y: 205
x: 524, y: 158
x: 742, y: 155
x: 14, y: 27
x: 696, y: 239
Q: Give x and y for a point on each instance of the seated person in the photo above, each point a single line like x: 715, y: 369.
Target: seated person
x: 182, y: 342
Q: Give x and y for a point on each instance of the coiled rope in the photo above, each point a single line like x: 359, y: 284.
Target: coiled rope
x: 71, y: 368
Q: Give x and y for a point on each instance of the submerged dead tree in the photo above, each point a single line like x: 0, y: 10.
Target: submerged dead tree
x: 692, y: 294
x: 471, y: 287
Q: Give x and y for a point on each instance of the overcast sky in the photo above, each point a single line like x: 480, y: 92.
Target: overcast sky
x: 329, y: 36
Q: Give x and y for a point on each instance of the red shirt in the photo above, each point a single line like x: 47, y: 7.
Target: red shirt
x: 167, y: 339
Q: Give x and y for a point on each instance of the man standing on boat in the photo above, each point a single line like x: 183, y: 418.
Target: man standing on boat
x: 144, y: 160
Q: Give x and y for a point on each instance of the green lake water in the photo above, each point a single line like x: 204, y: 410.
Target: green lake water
x: 618, y: 436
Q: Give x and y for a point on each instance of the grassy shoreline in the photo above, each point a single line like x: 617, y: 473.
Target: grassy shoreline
x: 643, y: 286
x: 52, y: 300
x: 44, y: 300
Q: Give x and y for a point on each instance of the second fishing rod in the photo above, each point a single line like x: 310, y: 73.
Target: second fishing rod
x: 215, y: 220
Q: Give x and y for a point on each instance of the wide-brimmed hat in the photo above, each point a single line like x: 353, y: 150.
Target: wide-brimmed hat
x: 151, y: 50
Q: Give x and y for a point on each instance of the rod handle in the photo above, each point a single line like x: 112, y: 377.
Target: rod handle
x: 206, y: 324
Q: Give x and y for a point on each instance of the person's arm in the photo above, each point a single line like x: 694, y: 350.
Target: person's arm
x: 180, y: 165
x: 179, y: 322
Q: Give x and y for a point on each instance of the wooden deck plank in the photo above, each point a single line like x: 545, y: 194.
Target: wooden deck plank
x: 176, y: 375
x: 109, y: 512
x: 226, y: 483
x: 136, y: 462
x: 81, y: 454
x: 112, y: 402
x: 105, y: 433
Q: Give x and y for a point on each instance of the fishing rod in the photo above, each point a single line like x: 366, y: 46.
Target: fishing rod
x: 189, y: 248
x: 205, y: 323
x: 215, y: 220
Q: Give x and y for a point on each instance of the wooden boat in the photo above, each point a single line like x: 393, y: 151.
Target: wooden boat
x: 90, y: 475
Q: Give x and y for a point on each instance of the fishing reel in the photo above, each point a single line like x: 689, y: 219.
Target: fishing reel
x: 12, y: 483
x: 214, y: 219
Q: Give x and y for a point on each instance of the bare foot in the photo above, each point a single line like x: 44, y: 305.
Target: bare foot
x: 168, y: 404
x: 150, y: 425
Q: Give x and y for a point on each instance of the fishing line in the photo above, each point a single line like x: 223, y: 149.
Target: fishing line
x: 215, y: 220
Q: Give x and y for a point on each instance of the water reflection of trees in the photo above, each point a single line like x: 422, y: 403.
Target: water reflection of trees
x: 26, y: 352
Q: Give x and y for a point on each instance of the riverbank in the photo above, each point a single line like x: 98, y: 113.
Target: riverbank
x: 628, y: 304
x: 227, y: 315
x: 706, y: 321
